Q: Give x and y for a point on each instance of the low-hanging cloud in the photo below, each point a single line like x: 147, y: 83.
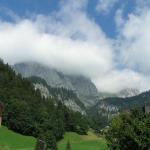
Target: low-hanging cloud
x: 73, y: 43
x: 117, y: 80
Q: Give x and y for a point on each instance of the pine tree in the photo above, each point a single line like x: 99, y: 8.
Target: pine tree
x: 40, y: 145
x: 68, y: 147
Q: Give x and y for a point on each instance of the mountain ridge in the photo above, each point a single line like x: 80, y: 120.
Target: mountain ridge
x: 124, y: 93
x: 82, y: 86
x: 66, y: 96
x: 109, y: 107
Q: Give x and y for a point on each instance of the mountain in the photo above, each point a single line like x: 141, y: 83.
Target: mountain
x: 103, y: 95
x: 28, y: 113
x: 66, y: 96
x: 128, y: 92
x: 82, y: 86
x: 111, y: 106
x: 85, y: 89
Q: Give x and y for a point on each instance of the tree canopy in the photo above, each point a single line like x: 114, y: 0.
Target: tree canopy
x: 130, y: 131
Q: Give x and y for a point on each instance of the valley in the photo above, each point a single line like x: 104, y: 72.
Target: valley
x: 58, y: 114
x: 74, y: 75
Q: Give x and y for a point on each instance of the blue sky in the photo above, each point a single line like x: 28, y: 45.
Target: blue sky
x: 105, y: 40
x: 24, y: 8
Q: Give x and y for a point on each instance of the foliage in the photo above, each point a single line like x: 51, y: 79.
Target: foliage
x: 16, y: 141
x: 126, y: 103
x: 98, y: 122
x: 39, y: 145
x: 130, y: 131
x: 26, y: 112
x: 105, y: 109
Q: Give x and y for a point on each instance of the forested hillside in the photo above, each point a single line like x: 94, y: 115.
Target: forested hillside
x: 28, y: 113
x: 120, y: 104
x: 107, y: 108
x: 66, y: 96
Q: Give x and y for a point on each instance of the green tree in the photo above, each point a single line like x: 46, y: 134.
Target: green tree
x: 40, y: 145
x: 51, y: 140
x: 129, y: 131
x: 68, y: 146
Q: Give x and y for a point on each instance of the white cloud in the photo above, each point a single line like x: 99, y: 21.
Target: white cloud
x: 135, y: 42
x: 118, y: 80
x: 105, y: 6
x: 133, y: 49
x: 70, y: 41
x: 119, y: 20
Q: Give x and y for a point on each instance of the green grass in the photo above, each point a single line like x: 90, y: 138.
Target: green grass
x: 87, y: 142
x: 10, y: 140
x: 13, y: 141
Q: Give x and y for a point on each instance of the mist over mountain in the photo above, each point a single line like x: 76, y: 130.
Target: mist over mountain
x: 109, y: 107
x: 128, y: 92
x: 82, y: 46
x: 82, y: 86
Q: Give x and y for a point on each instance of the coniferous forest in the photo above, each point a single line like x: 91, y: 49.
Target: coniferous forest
x: 28, y: 113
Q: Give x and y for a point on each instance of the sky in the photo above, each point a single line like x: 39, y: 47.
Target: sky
x: 105, y: 40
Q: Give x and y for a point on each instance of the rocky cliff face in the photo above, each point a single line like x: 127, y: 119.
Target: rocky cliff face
x: 67, y: 97
x: 107, y: 110
x: 85, y: 89
x: 73, y: 105
x: 51, y: 76
x: 82, y: 86
x: 44, y: 91
x: 104, y: 109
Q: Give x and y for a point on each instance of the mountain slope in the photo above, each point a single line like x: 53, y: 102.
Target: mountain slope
x: 128, y: 92
x: 51, y: 76
x: 26, y: 112
x: 111, y: 106
x: 85, y: 89
x: 67, y: 97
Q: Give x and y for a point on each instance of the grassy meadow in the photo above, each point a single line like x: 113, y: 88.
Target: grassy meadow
x: 82, y: 142
x: 10, y: 140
